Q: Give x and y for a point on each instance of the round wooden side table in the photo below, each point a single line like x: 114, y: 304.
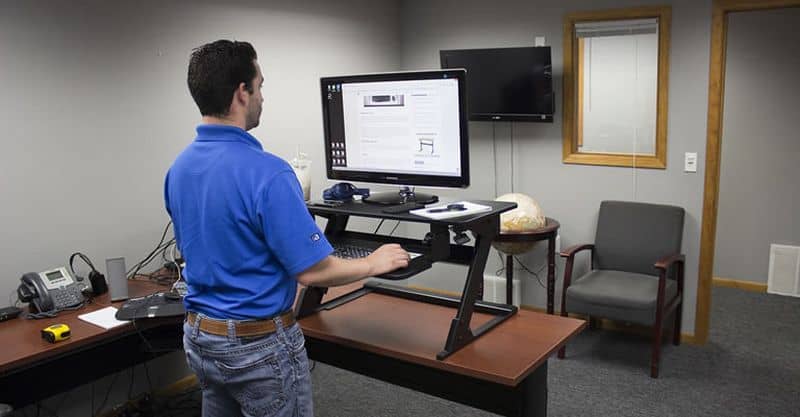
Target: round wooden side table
x: 549, y: 233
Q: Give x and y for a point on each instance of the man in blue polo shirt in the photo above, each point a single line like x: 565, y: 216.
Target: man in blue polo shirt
x: 247, y: 237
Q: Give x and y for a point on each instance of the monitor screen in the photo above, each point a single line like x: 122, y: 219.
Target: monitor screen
x: 405, y: 128
x: 506, y: 83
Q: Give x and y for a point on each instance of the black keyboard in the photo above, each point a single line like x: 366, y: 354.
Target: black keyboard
x: 346, y: 251
x: 417, y: 263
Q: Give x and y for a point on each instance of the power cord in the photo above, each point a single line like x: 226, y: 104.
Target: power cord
x: 528, y: 270
x: 535, y: 274
x: 105, y: 399
x: 160, y: 247
x: 53, y: 313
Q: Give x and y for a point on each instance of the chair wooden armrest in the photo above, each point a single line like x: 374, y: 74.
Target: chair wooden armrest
x: 569, y: 253
x: 572, y: 250
x: 667, y: 261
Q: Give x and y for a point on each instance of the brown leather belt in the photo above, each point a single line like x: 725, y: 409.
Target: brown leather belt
x: 246, y: 328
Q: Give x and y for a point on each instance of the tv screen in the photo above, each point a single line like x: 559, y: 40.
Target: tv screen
x: 506, y: 83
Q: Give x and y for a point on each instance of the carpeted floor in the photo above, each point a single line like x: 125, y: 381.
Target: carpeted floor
x: 748, y: 368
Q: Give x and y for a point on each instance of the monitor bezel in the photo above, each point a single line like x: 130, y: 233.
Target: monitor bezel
x: 398, y: 178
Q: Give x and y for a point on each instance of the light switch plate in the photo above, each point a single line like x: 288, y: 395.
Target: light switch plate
x: 690, y: 162
x: 538, y: 41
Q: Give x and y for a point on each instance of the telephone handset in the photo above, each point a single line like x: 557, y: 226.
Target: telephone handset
x: 50, y: 290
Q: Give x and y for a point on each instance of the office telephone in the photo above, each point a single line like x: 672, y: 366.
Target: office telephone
x: 50, y: 291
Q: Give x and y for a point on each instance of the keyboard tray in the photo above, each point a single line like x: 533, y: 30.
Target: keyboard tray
x: 415, y: 266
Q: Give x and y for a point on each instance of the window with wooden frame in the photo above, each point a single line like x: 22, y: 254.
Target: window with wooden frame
x: 616, y: 66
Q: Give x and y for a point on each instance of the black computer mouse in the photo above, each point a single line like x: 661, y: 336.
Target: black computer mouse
x: 172, y: 296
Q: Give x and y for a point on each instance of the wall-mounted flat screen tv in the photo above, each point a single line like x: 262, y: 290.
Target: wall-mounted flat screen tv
x: 513, y: 84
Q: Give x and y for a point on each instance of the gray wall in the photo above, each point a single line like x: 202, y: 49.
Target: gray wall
x: 571, y: 193
x: 94, y: 108
x: 759, y: 198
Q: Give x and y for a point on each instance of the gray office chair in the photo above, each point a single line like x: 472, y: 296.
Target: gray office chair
x: 637, y: 270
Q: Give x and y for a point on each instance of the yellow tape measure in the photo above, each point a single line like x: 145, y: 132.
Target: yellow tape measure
x: 56, y: 333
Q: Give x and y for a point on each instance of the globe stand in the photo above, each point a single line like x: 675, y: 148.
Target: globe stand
x: 549, y: 233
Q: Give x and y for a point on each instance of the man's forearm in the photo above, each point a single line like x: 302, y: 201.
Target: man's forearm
x: 333, y: 271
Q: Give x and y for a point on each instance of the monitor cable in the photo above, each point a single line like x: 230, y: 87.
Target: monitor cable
x: 513, y: 155
x: 494, y: 156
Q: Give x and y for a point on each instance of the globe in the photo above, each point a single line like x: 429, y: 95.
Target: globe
x: 528, y: 216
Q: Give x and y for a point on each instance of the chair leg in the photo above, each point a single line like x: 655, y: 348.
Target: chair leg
x: 658, y: 330
x: 676, y: 331
x: 563, y: 351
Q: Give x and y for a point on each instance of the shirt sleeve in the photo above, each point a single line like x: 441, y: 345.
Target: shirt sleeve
x: 169, y: 211
x: 289, y: 229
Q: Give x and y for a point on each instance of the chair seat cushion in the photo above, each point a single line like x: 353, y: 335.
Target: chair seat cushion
x: 618, y: 295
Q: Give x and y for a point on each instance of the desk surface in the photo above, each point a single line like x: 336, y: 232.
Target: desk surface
x: 406, y: 330
x: 415, y: 332
x: 23, y: 343
x: 358, y: 208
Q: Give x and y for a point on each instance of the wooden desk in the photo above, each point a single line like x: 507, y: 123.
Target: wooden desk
x: 32, y: 369
x: 396, y: 340
x: 384, y: 337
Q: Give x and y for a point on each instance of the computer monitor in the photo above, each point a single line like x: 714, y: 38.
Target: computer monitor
x: 404, y: 128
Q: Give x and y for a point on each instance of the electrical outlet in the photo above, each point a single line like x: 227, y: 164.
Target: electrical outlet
x: 539, y: 41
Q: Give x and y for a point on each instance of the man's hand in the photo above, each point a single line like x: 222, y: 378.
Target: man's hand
x: 387, y: 258
x: 333, y: 271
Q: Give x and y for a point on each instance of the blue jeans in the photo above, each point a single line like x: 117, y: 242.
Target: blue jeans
x: 250, y: 376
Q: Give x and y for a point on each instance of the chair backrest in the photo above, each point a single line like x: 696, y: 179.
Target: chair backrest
x: 633, y: 236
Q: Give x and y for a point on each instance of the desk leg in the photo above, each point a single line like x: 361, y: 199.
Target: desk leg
x: 509, y: 278
x: 551, y: 272
x: 532, y: 394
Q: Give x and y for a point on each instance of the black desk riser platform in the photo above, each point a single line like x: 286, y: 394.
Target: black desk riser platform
x: 435, y: 247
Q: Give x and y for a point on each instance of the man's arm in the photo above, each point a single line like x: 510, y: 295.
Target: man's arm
x: 333, y: 271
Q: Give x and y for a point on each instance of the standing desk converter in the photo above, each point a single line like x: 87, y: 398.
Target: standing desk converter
x: 489, y: 356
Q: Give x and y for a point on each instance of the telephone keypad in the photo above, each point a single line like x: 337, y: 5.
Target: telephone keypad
x: 69, y: 297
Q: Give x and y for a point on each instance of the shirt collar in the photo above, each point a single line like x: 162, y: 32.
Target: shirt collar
x: 226, y: 133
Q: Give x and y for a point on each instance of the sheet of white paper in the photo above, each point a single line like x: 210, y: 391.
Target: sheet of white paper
x: 469, y: 209
x: 103, y: 318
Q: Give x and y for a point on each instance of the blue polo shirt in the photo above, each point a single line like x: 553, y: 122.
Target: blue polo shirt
x: 241, y: 224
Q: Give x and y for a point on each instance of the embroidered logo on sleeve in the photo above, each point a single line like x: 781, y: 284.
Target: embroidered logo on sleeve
x: 315, y: 237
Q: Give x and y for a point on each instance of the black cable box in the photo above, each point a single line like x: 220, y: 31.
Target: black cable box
x: 8, y: 313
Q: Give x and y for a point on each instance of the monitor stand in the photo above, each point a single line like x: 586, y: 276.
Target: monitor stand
x: 404, y: 195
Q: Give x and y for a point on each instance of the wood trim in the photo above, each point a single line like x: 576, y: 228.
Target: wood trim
x: 750, y: 5
x: 664, y: 37
x: 716, y: 92
x: 740, y: 284
x: 579, y: 75
x: 613, y: 326
x: 532, y: 308
x: 618, y: 14
x: 605, y: 324
x: 435, y: 291
x: 613, y: 159
x: 572, y: 128
x: 568, y: 80
x: 179, y: 386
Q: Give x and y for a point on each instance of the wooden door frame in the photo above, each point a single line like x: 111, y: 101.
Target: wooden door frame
x: 716, y: 94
